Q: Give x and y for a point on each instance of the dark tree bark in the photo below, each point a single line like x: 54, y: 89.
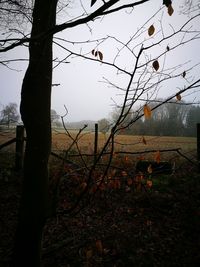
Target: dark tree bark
x: 35, y: 112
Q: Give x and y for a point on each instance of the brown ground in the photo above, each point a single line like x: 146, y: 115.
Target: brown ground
x: 119, y: 227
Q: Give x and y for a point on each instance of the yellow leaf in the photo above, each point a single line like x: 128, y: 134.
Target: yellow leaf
x: 100, y: 55
x: 156, y: 65
x: 99, y: 246
x: 170, y: 10
x: 157, y: 156
x: 178, y: 97
x: 147, y: 111
x: 151, y: 30
x: 149, y: 169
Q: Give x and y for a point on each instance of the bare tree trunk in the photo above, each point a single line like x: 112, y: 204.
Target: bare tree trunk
x: 35, y: 111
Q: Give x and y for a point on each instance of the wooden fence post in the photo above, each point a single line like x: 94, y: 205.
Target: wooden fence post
x: 19, y: 149
x: 198, y: 145
x: 95, y: 142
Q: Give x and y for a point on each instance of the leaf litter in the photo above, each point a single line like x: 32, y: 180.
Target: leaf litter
x: 118, y: 227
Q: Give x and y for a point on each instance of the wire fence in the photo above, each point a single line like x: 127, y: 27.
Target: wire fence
x: 14, y: 137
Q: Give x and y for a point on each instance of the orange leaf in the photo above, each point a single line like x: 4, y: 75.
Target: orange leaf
x: 147, y: 111
x: 126, y: 158
x: 151, y: 30
x: 156, y: 65
x: 99, y: 246
x: 149, y: 183
x: 157, y: 156
x: 170, y: 10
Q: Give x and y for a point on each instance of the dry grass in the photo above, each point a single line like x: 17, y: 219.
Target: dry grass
x: 61, y: 141
x: 128, y: 143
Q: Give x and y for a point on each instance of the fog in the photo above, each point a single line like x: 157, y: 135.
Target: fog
x: 80, y: 83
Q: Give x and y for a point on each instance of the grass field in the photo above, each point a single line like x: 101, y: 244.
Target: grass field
x: 61, y: 141
x: 129, y: 143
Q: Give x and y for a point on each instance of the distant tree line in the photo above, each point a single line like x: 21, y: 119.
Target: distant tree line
x: 170, y: 119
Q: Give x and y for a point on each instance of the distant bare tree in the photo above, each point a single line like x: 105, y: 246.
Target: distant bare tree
x: 9, y: 114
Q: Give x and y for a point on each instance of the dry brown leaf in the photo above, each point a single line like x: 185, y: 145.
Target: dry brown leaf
x: 156, y: 65
x: 178, y: 97
x: 89, y: 253
x: 99, y: 246
x: 151, y: 30
x: 157, y: 156
x: 144, y: 140
x: 149, y: 183
x: 170, y: 10
x: 100, y: 55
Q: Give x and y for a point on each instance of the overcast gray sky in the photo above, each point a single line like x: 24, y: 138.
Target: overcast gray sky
x: 81, y: 87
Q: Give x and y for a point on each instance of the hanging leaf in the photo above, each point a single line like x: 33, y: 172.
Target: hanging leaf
x: 151, y: 30
x: 147, y: 111
x: 156, y: 65
x: 100, y: 55
x: 144, y: 140
x: 96, y: 53
x: 184, y: 73
x: 93, y: 51
x: 168, y: 48
x: 149, y: 169
x: 167, y: 2
x: 178, y: 97
x: 170, y: 10
x: 157, y: 157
